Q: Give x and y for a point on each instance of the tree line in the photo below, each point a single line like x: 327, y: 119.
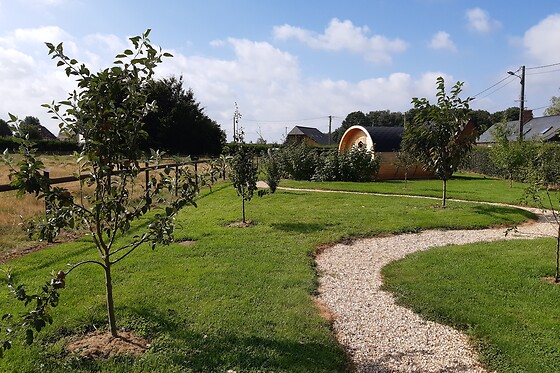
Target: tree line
x: 386, y: 118
x: 178, y: 125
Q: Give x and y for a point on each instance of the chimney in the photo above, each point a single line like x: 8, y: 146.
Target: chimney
x: 527, y: 115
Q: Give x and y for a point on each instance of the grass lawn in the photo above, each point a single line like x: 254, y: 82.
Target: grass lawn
x: 494, y: 293
x: 462, y: 186
x: 239, y: 298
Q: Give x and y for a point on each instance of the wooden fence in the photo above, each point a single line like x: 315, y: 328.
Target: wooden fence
x: 146, y: 169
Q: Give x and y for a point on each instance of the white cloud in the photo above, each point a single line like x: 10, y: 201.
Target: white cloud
x: 267, y: 84
x: 265, y: 81
x: 479, y: 20
x: 343, y: 35
x: 542, y: 40
x: 40, y: 35
x: 442, y: 40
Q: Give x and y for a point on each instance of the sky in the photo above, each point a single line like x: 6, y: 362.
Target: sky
x: 291, y: 62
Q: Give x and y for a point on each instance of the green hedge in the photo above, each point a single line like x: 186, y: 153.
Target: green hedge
x: 46, y: 146
x: 546, y: 156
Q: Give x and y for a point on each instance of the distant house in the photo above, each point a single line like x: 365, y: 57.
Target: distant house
x: 386, y: 143
x: 45, y: 133
x: 310, y: 135
x: 540, y: 129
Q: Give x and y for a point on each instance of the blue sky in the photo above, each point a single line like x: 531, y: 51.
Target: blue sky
x: 291, y: 62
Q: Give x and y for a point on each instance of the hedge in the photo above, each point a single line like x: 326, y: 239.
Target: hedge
x: 47, y: 146
x: 546, y: 156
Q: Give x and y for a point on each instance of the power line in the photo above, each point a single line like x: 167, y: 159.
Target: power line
x: 543, y: 66
x: 292, y: 120
x: 492, y: 86
x: 494, y: 91
x: 544, y: 72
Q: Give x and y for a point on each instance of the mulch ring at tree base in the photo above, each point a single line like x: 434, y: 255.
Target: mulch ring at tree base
x: 102, y: 345
x: 241, y: 224
x: 550, y: 280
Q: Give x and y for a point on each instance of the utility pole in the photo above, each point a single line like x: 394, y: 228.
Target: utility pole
x: 522, y: 103
x: 330, y: 134
x: 521, y: 99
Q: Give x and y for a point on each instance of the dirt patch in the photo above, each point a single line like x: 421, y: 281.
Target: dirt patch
x: 34, y: 246
x: 241, y: 224
x: 102, y: 345
x: 550, y: 280
x: 187, y: 243
x: 323, y: 310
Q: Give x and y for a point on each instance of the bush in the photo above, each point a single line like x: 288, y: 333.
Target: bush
x: 302, y: 162
x: 354, y: 165
x: 546, y: 157
x: 298, y: 161
x: 547, y: 160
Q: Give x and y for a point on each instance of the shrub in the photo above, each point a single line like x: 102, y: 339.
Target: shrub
x: 298, y: 161
x: 546, y: 156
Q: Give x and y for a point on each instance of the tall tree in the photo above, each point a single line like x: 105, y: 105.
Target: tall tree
x: 180, y: 125
x: 29, y: 128
x: 5, y: 128
x: 356, y: 118
x: 438, y: 136
x: 385, y: 118
x: 554, y: 108
x: 481, y: 119
x: 508, y: 115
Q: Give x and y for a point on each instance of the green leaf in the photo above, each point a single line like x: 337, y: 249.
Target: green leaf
x: 29, y: 336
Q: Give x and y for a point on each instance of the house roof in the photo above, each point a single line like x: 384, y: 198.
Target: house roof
x: 386, y: 139
x: 45, y: 133
x: 311, y: 132
x: 512, y: 128
x: 541, y: 128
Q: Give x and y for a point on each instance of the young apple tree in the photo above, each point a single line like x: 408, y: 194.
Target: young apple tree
x: 106, y: 113
x: 244, y: 172
x: 438, y: 136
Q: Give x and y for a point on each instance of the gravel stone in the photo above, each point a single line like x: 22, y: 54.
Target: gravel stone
x: 381, y: 336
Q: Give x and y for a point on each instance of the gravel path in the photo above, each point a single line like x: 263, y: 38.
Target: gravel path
x: 381, y: 336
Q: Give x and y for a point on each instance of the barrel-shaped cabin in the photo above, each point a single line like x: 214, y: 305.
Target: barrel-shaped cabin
x: 386, y: 143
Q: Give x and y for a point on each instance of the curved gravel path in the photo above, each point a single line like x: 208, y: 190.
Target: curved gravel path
x: 381, y: 336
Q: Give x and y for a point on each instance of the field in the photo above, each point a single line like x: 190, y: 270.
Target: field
x: 14, y: 210
x: 238, y: 298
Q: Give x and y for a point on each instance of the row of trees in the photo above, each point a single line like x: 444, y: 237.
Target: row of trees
x: 178, y: 125
x: 29, y: 127
x: 386, y: 118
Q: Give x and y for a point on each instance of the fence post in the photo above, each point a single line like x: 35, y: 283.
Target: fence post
x: 46, y: 174
x: 147, y: 173
x: 176, y: 178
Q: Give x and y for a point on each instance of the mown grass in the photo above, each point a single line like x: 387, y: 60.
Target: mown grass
x: 468, y: 187
x: 240, y: 298
x: 492, y: 291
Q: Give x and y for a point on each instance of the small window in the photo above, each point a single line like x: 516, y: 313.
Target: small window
x: 546, y: 130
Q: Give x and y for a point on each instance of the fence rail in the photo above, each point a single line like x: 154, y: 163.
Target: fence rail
x: 147, y: 168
